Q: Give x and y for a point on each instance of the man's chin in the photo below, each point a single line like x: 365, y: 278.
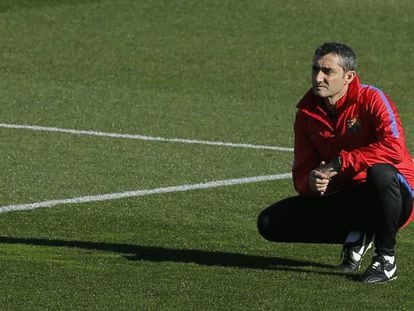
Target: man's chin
x: 318, y: 92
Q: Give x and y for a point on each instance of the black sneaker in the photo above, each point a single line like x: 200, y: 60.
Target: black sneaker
x: 352, y: 253
x: 380, y: 271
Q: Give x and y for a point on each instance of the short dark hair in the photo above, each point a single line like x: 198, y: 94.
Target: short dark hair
x: 348, y: 59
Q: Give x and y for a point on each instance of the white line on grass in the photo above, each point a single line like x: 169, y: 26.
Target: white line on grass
x: 141, y: 137
x: 138, y: 193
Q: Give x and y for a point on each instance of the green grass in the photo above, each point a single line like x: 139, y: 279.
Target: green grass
x: 227, y: 71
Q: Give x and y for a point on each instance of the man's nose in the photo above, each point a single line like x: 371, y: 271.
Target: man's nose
x: 319, y: 76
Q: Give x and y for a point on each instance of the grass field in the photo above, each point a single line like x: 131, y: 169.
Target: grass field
x: 205, y: 71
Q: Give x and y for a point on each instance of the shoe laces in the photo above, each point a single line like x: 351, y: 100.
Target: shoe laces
x: 378, y: 263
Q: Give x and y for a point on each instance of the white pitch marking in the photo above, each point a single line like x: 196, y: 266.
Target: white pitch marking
x: 138, y: 193
x: 141, y: 137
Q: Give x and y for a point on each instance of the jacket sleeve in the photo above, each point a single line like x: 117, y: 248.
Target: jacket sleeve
x: 389, y: 142
x: 305, y: 156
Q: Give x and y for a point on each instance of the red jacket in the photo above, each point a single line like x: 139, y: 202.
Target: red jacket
x: 367, y: 130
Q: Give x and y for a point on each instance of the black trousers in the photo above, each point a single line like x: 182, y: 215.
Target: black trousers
x: 380, y: 206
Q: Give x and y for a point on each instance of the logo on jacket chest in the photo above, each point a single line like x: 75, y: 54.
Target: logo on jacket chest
x: 353, y: 125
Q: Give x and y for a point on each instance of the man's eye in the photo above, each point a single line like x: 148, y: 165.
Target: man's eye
x: 326, y: 71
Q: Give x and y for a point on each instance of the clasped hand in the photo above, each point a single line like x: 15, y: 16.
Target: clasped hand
x: 320, y: 177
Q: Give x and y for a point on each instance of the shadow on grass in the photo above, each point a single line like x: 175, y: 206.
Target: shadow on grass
x: 202, y: 257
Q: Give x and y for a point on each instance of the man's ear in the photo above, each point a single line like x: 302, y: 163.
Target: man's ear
x: 349, y: 76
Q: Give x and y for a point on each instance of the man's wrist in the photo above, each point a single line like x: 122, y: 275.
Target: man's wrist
x: 337, y: 164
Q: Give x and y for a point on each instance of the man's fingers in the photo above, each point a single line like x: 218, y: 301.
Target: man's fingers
x: 319, y: 175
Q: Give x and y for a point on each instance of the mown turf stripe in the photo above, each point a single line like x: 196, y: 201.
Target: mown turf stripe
x: 141, y: 137
x: 138, y: 193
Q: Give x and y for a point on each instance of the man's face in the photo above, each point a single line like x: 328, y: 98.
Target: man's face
x: 328, y: 78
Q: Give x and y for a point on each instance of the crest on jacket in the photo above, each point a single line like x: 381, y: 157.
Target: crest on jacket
x: 353, y: 125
